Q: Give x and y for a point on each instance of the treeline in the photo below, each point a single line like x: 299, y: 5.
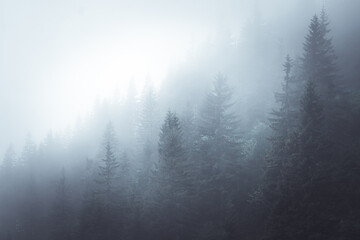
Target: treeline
x: 200, y: 174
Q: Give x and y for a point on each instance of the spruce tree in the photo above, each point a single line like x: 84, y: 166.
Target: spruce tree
x: 8, y: 190
x: 100, y: 217
x: 289, y: 217
x: 319, y: 57
x: 8, y: 163
x: 108, y: 175
x: 220, y: 138
x: 60, y: 216
x: 220, y: 157
x: 171, y: 151
x: 172, y: 178
x: 283, y: 122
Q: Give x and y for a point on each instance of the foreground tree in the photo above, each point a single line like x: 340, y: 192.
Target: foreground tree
x: 289, y: 215
x: 319, y: 57
x: 283, y: 123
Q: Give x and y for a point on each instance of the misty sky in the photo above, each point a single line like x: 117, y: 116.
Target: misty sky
x: 57, y: 57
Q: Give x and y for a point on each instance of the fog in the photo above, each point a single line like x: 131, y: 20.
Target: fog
x: 82, y: 79
x: 58, y: 58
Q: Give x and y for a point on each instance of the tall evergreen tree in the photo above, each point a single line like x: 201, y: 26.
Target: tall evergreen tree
x: 220, y: 154
x: 290, y: 214
x: 283, y: 122
x: 147, y: 135
x: 8, y: 190
x: 188, y: 123
x: 60, y: 217
x: 100, y: 216
x: 8, y: 162
x: 171, y: 151
x: 29, y: 153
x: 172, y: 178
x: 220, y: 142
x: 319, y: 57
x: 108, y: 174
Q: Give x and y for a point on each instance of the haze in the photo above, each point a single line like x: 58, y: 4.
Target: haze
x: 87, y: 76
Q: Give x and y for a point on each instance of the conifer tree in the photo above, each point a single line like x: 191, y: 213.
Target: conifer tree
x: 8, y: 162
x: 289, y: 215
x: 319, y: 57
x: 283, y: 122
x: 108, y: 174
x: 220, y: 142
x: 220, y: 156
x: 171, y: 152
x: 60, y: 218
x: 172, y: 177
x: 8, y: 190
x: 29, y: 153
x: 100, y: 217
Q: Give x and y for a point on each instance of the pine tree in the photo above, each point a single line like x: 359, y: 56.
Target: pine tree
x: 311, y: 121
x: 108, y: 169
x: 172, y: 178
x: 29, y: 153
x: 8, y: 190
x: 290, y: 217
x: 100, y: 216
x: 171, y: 151
x: 319, y: 57
x: 219, y: 129
x: 147, y: 133
x: 60, y: 218
x: 220, y: 156
x: 283, y: 122
x: 188, y: 123
x: 8, y: 162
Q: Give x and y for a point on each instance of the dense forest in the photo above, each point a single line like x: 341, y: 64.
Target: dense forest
x: 179, y: 164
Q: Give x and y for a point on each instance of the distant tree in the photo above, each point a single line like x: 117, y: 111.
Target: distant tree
x: 109, y: 186
x: 189, y: 128
x: 8, y: 162
x: 172, y: 178
x: 8, y: 191
x: 283, y: 122
x: 171, y: 150
x: 127, y: 118
x: 108, y: 170
x: 220, y: 156
x: 219, y: 129
x: 147, y: 131
x: 29, y: 153
x: 99, y: 218
x: 60, y: 217
x: 92, y: 218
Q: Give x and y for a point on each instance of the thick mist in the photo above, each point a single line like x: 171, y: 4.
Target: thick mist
x: 50, y: 52
x: 179, y: 120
